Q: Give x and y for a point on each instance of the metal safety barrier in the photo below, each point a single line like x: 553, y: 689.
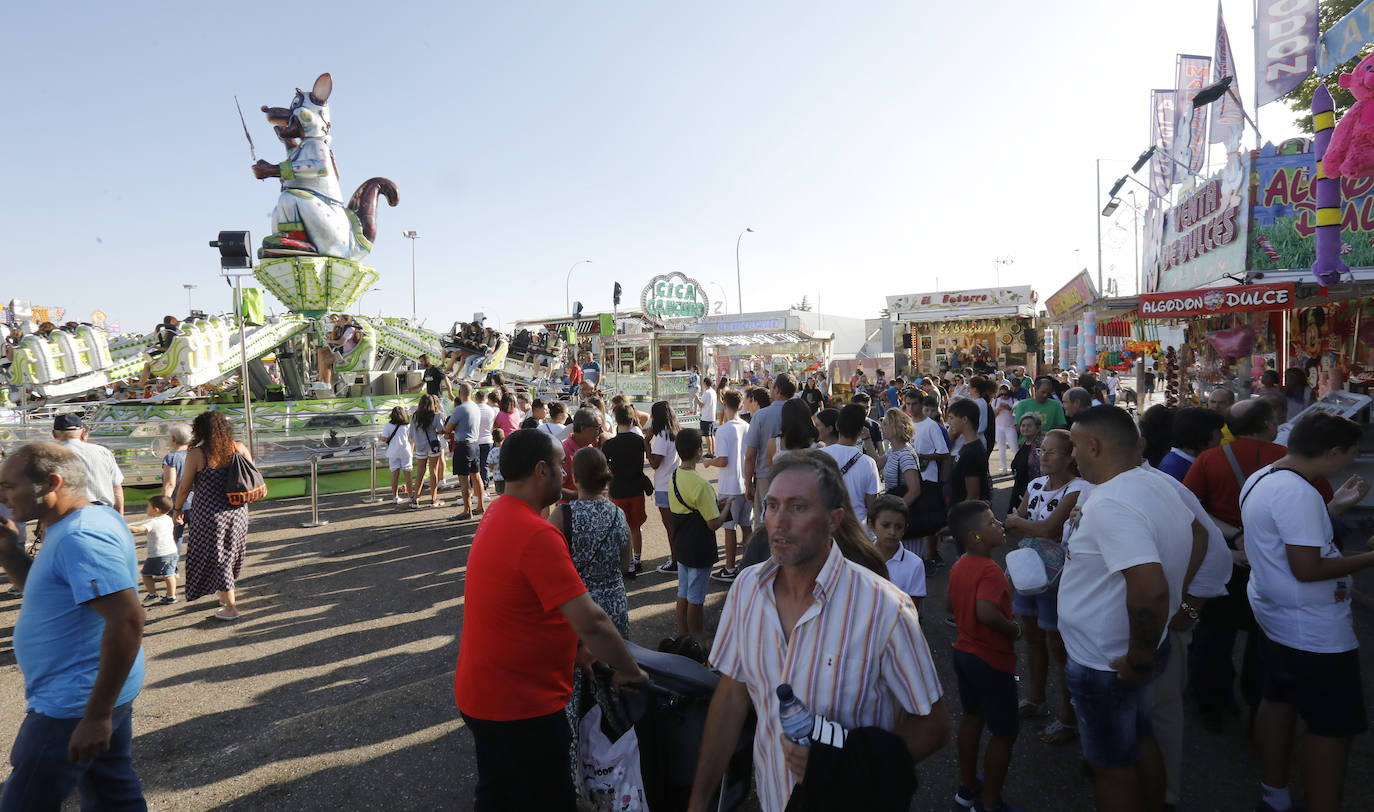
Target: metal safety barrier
x: 372, y: 497
x: 315, y: 520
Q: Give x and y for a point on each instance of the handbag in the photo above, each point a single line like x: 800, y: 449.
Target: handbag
x: 243, y: 482
x: 611, y: 776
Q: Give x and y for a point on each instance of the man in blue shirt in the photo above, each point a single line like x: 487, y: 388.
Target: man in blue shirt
x: 591, y: 370
x: 78, y: 638
x: 892, y: 396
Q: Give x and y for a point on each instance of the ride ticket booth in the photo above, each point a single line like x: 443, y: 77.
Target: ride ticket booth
x: 656, y: 362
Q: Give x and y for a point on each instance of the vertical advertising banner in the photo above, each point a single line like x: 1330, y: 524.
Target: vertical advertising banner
x: 1285, y: 46
x: 1227, y: 120
x: 1190, y: 131
x: 1162, y: 139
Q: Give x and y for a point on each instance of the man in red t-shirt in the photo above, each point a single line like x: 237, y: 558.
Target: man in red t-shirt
x: 586, y: 430
x: 524, y: 611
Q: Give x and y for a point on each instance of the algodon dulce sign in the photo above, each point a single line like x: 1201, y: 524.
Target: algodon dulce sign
x: 1215, y: 301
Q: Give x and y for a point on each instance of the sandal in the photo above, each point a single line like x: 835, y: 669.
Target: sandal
x: 1033, y: 710
x: 1057, y: 732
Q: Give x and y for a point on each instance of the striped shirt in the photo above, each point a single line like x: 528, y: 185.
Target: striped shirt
x: 857, y: 657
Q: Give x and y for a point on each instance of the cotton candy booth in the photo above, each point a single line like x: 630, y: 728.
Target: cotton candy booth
x: 1230, y: 335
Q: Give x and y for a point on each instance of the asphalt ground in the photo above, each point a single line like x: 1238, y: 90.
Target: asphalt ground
x: 334, y: 690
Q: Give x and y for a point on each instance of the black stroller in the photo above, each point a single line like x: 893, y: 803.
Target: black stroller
x: 669, y: 719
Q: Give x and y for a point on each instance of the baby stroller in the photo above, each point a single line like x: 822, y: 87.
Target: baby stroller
x: 669, y: 719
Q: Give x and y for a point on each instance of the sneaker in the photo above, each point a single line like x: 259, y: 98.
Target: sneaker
x: 636, y: 567
x: 725, y: 574
x: 669, y: 566
x: 151, y: 597
x: 396, y: 500
x: 167, y: 600
x: 968, y: 796
x: 438, y: 503
x: 414, y: 504
x: 463, y: 517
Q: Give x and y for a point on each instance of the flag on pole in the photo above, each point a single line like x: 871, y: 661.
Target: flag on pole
x: 1190, y: 131
x: 1285, y: 47
x: 1162, y: 139
x: 1228, y: 122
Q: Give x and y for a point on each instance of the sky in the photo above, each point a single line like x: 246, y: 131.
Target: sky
x: 876, y: 148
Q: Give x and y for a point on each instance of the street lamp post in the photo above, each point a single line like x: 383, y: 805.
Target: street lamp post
x: 412, y: 236
x: 725, y: 300
x: 567, y: 285
x: 189, y: 306
x: 739, y: 288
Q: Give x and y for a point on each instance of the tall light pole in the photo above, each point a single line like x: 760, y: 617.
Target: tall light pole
x: 1099, y: 227
x: 739, y: 288
x: 412, y: 236
x: 1135, y: 232
x: 725, y: 300
x: 567, y: 285
x: 997, y: 268
x: 189, y: 306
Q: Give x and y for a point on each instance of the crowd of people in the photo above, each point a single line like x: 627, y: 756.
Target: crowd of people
x: 1143, y: 548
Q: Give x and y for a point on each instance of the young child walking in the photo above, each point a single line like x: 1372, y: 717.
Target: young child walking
x: 400, y: 451
x: 696, y: 517
x: 984, y: 656
x: 160, y: 558
x: 887, y: 522
x: 493, y: 460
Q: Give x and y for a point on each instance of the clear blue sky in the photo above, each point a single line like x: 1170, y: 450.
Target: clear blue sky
x: 872, y: 146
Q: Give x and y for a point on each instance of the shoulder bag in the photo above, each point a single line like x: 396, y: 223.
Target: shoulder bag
x: 243, y: 482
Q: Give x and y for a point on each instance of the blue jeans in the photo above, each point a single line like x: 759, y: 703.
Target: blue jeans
x: 43, y: 776
x: 1113, y: 715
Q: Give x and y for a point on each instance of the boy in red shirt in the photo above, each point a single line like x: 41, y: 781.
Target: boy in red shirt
x: 984, y: 656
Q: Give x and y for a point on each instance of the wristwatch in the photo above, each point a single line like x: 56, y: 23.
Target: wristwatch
x: 1188, y: 610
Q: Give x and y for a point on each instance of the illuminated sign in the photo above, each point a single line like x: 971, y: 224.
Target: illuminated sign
x: 1213, y: 301
x: 674, y: 297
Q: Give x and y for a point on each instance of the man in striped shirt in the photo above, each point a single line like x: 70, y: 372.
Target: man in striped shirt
x: 847, y: 641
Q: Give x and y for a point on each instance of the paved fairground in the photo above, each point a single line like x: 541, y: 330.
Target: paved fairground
x: 334, y: 692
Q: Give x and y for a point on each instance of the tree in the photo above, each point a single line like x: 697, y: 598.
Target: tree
x: 1300, y: 100
x: 803, y: 305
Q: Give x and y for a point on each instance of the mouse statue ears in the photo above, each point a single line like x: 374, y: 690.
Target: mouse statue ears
x: 324, y: 85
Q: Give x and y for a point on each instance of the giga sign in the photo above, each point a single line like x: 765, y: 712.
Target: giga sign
x: 674, y: 297
x: 1214, y: 301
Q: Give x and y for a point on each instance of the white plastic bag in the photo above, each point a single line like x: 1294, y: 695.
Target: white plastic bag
x: 1027, y: 571
x: 611, y: 778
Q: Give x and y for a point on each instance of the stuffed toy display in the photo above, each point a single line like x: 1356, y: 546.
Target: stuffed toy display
x: 1328, y: 265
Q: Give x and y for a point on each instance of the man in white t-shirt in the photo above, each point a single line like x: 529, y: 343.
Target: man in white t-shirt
x: 104, y: 480
x: 1129, y: 557
x: 859, y: 471
x: 1300, y: 592
x: 928, y: 441
x: 556, y: 426
x: 730, y: 440
x: 707, y: 401
x: 486, y: 420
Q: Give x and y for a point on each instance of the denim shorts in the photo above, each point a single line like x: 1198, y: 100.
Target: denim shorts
x: 738, y: 511
x: 1043, y: 607
x: 160, y: 566
x: 1113, y: 715
x: 661, y: 499
x: 692, y: 583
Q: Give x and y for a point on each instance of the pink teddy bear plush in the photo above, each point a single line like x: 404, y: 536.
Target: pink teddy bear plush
x: 1351, y: 153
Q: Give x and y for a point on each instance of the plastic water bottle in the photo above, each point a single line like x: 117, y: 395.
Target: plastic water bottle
x: 796, y: 717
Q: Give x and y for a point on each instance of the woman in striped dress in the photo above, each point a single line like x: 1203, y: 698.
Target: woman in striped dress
x: 216, y: 531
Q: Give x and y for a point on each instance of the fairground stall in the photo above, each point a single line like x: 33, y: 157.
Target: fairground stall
x: 773, y: 342
x: 964, y: 328
x: 1091, y: 332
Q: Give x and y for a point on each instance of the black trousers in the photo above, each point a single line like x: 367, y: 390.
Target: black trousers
x: 1211, y: 668
x: 523, y: 764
